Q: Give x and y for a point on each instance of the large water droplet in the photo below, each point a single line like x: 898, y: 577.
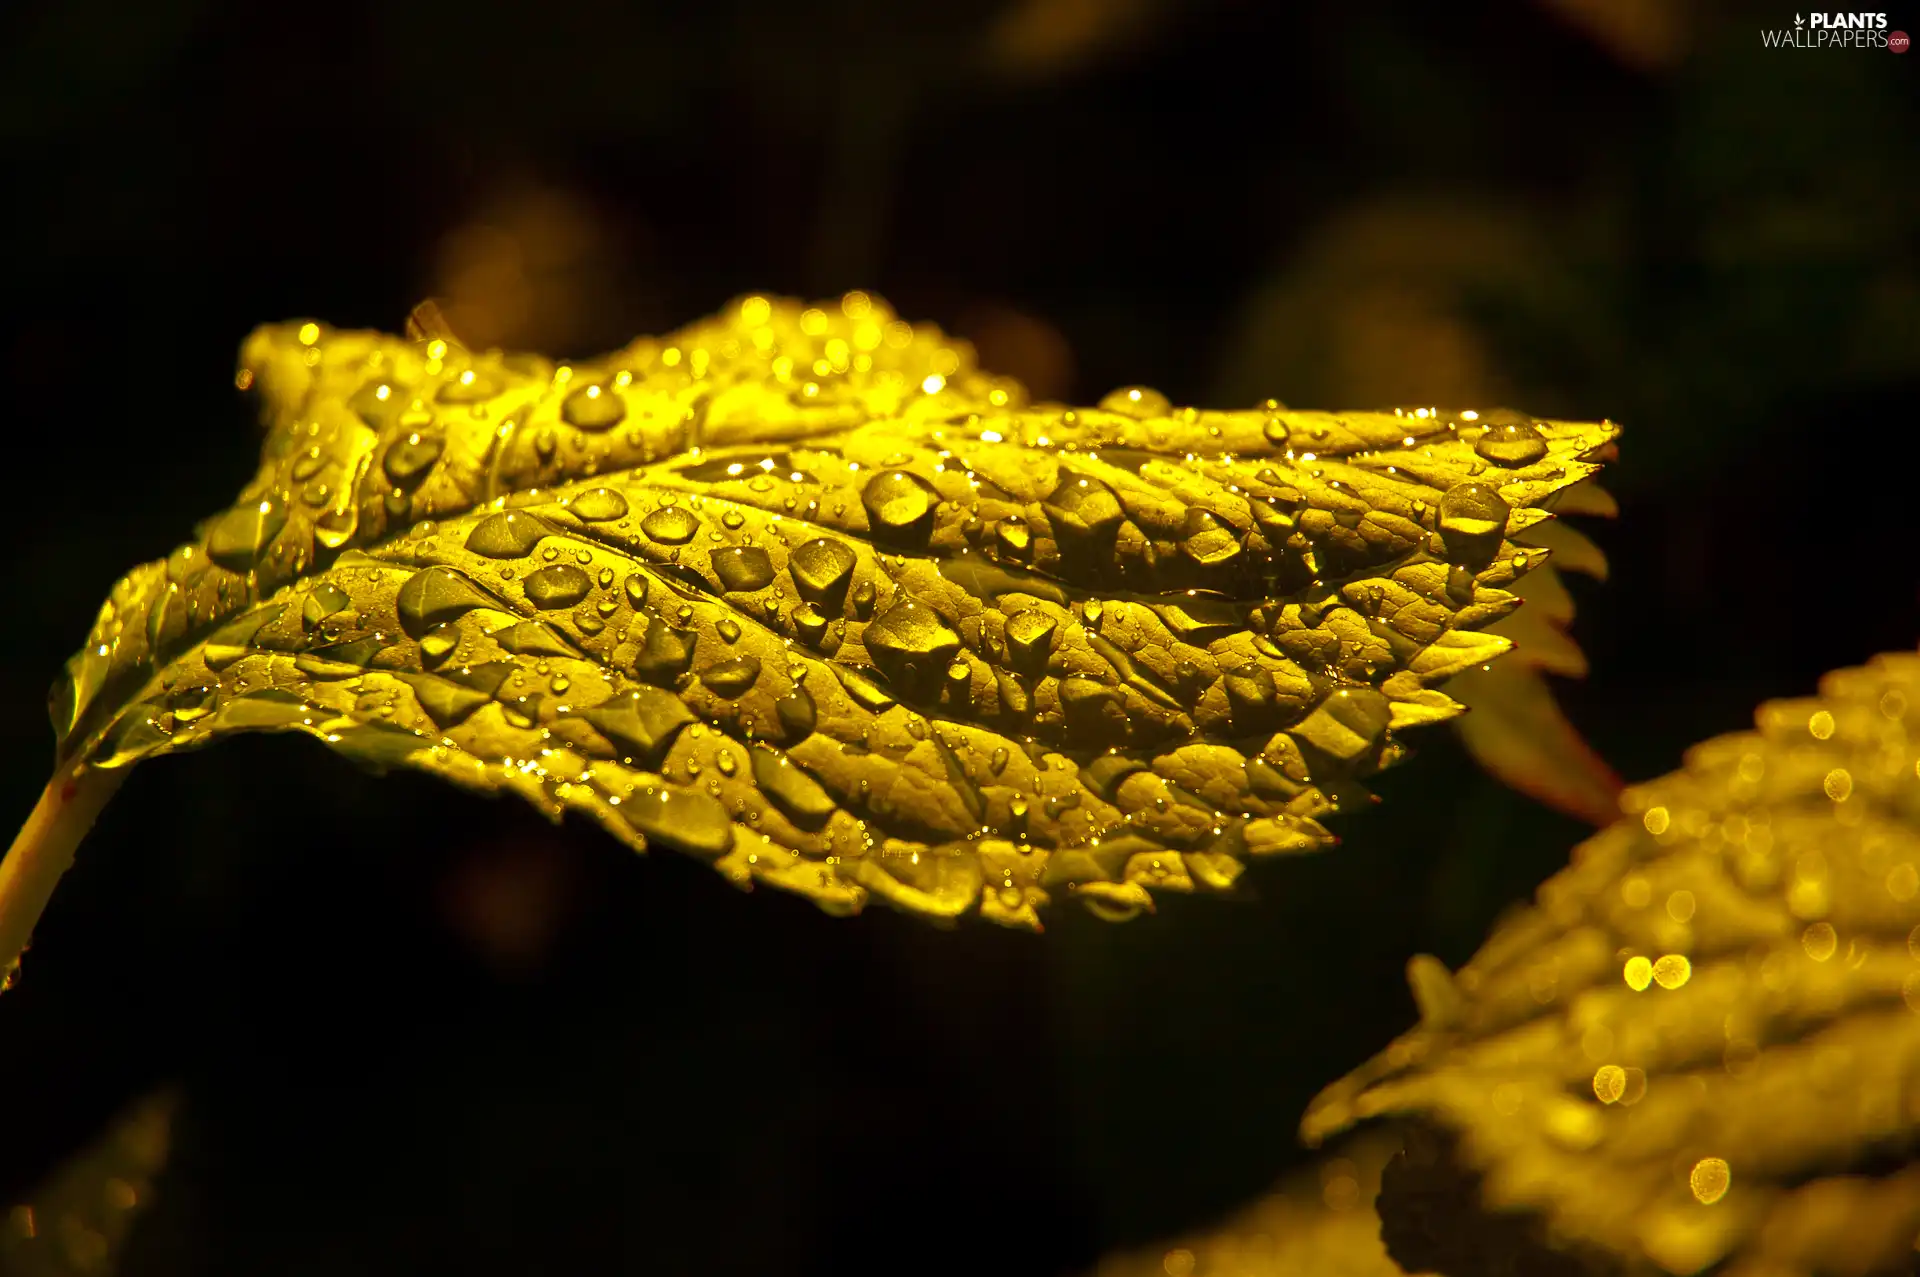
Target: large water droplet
x: 682, y: 819
x: 507, y: 535
x: 447, y: 703
x: 665, y: 653
x: 1029, y: 640
x: 670, y: 525
x: 1013, y: 538
x: 643, y: 723
x: 1510, y: 440
x: 533, y: 638
x: 561, y: 585
x: 821, y: 569
x: 741, y: 568
x: 1084, y: 513
x: 323, y: 601
x: 437, y: 644
x: 798, y: 795
x: 468, y: 387
x: 408, y: 460
x: 1137, y: 401
x: 593, y: 407
x: 732, y: 678
x: 1473, y: 521
x: 900, y: 507
x: 1208, y: 540
x: 439, y: 594
x: 242, y: 534
x: 598, y: 505
x: 912, y: 643
x: 796, y: 713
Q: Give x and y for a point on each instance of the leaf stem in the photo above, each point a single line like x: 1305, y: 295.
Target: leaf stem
x: 43, y: 850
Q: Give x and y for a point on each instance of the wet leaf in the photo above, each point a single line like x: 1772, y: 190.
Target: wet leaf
x: 76, y: 1222
x: 1517, y: 730
x: 803, y: 592
x: 1700, y: 1045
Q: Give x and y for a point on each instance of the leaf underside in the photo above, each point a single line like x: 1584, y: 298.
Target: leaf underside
x: 1700, y: 1045
x: 802, y: 592
x: 1517, y: 730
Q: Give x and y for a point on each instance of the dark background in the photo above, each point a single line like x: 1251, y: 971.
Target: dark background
x: 420, y: 1032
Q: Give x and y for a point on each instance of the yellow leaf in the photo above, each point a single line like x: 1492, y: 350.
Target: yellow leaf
x: 1697, y: 1047
x: 803, y: 592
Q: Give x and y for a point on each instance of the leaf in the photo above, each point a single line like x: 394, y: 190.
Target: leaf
x: 1517, y: 730
x: 1318, y: 1222
x: 76, y: 1222
x: 1699, y: 1046
x: 803, y: 592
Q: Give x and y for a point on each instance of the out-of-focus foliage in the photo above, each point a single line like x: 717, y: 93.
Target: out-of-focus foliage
x: 1517, y: 730
x: 1699, y: 1045
x: 1319, y: 1222
x: 73, y: 1224
x: 803, y: 592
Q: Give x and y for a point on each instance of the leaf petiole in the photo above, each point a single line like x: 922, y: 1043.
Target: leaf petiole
x: 43, y: 850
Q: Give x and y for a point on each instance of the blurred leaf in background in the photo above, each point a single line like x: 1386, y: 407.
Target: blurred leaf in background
x: 73, y: 1225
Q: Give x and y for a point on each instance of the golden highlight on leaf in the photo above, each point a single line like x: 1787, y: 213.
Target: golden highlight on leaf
x: 803, y: 592
x: 1699, y: 1046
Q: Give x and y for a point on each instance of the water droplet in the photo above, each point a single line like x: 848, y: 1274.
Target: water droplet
x: 533, y: 638
x: 447, y: 703
x: 1208, y: 540
x: 559, y: 586
x: 242, y: 534
x: 598, y: 505
x: 409, y: 459
x: 593, y: 407
x: 1510, y: 440
x: 732, y: 520
x: 506, y: 535
x: 1473, y: 521
x: 643, y: 723
x: 910, y: 640
x: 682, y: 819
x: 809, y: 622
x: 439, y: 594
x: 666, y: 652
x: 797, y: 794
x: 1029, y: 640
x: 796, y: 713
x: 437, y: 644
x: 732, y: 678
x: 1137, y: 401
x: 636, y: 589
x: 729, y: 630
x: 899, y: 505
x: 1013, y: 538
x: 742, y: 568
x: 323, y: 600
x: 822, y: 569
x: 670, y: 525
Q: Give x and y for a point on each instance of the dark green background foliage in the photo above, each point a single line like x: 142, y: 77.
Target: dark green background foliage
x: 424, y: 1032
